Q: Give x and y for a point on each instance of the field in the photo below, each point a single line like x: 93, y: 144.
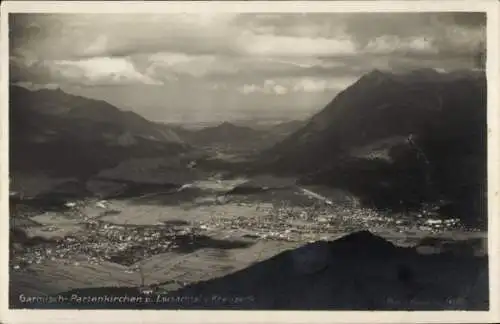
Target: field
x: 198, y: 231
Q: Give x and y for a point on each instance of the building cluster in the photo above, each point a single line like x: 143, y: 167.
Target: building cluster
x: 100, y: 241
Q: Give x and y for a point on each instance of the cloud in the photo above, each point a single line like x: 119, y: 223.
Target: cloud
x: 389, y: 44
x: 191, y: 65
x: 314, y: 85
x: 89, y: 72
x: 249, y: 88
x: 301, y: 53
x: 279, y: 89
x: 282, y: 86
x: 102, y: 70
x: 461, y: 41
x: 268, y: 87
x: 440, y: 32
x: 67, y: 36
x: 72, y: 36
x: 286, y: 46
x: 176, y: 66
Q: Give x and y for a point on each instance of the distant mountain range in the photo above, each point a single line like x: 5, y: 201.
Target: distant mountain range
x: 359, y: 141
x: 224, y: 133
x: 239, y: 136
x: 66, y: 135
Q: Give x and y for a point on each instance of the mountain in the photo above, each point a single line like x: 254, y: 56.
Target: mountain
x: 225, y: 133
x: 358, y: 271
x: 225, y: 136
x: 383, y: 105
x: 359, y: 140
x: 243, y: 137
x: 78, y: 110
x: 284, y: 129
x: 66, y: 135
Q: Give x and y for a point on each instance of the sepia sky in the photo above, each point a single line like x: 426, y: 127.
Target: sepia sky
x: 190, y: 67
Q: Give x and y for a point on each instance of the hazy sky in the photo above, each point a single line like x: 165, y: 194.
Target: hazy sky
x: 172, y: 67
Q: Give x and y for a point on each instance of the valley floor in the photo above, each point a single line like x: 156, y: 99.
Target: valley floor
x: 196, y: 233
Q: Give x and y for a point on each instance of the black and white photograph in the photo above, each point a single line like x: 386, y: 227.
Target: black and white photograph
x: 248, y: 160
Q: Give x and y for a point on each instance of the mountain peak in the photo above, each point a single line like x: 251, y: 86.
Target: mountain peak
x: 379, y: 74
x: 226, y: 124
x: 376, y: 73
x: 376, y: 76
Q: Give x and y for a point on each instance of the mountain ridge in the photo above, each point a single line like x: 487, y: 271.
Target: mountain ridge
x: 349, y: 102
x: 68, y: 135
x: 444, y: 114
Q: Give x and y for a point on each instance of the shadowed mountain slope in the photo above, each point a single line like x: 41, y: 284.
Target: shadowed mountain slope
x: 359, y: 271
x: 359, y: 141
x: 65, y: 135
